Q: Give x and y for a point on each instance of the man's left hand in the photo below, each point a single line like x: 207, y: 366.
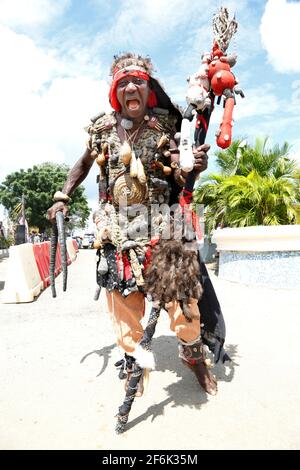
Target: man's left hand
x: 201, y: 157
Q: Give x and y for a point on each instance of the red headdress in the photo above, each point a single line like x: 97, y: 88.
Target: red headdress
x: 135, y: 71
x: 138, y: 66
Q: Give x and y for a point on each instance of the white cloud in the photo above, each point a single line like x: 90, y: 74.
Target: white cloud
x: 278, y: 128
x: 259, y: 102
x: 295, y: 151
x: 260, y: 114
x: 31, y: 12
x: 295, y: 101
x: 42, y: 114
x: 280, y: 34
x: 147, y: 23
x: 24, y: 66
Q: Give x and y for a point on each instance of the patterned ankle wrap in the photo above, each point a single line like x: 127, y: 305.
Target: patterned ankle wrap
x: 192, y: 353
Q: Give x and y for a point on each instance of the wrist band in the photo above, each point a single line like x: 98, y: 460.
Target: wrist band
x: 61, y: 197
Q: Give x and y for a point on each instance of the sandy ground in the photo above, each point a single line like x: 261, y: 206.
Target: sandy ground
x: 59, y: 387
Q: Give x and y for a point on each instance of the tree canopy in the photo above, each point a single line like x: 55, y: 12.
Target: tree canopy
x: 38, y: 185
x: 257, y: 185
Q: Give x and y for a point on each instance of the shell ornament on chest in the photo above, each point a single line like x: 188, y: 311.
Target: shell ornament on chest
x: 128, y: 191
x: 136, y: 169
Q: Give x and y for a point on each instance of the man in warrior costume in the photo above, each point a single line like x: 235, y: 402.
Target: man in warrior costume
x: 136, y: 149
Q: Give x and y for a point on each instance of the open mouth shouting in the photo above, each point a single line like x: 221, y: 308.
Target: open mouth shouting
x: 133, y: 104
x: 132, y: 94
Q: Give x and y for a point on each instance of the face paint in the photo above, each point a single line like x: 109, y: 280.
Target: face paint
x: 132, y: 94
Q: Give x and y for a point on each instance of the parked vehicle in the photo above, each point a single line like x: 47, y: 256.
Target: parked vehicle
x: 88, y: 241
x: 79, y: 241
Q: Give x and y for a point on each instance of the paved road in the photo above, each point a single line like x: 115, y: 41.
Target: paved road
x: 59, y: 388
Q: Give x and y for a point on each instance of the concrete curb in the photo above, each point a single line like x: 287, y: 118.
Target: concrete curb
x: 4, y: 253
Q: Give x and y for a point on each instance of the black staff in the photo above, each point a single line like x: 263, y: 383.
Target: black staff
x: 58, y: 235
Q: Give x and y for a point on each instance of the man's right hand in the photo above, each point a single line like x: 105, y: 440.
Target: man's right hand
x: 57, y: 206
x: 77, y: 174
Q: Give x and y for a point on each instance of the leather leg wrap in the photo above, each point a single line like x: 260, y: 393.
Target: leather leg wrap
x: 133, y: 371
x: 194, y: 356
x: 192, y: 353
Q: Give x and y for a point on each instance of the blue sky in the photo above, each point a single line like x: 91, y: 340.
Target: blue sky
x: 55, y: 57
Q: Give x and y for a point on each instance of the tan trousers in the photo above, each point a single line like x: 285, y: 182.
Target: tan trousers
x: 127, y: 313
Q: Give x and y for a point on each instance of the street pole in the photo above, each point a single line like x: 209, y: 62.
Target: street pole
x: 24, y: 219
x: 20, y: 233
x: 23, y: 208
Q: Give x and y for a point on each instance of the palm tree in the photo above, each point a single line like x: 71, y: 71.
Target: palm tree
x: 240, y: 158
x: 257, y: 186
